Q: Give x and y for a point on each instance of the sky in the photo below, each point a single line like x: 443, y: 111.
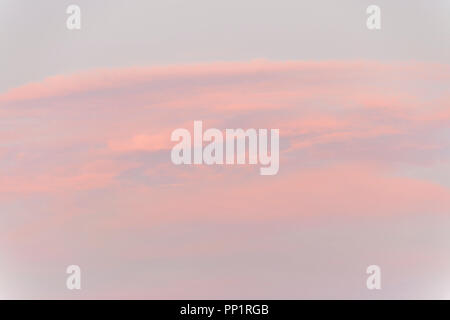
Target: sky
x: 85, y: 171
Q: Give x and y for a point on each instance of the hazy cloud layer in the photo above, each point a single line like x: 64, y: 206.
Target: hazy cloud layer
x: 86, y: 178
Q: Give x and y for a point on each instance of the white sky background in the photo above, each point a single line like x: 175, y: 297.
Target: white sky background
x: 35, y: 42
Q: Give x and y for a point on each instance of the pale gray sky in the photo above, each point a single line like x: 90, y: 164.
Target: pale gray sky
x: 35, y: 42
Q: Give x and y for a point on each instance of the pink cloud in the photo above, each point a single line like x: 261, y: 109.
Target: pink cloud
x: 141, y: 142
x: 94, y: 148
x: 314, y: 104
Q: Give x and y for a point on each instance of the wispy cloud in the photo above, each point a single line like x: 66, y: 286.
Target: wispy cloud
x: 96, y: 146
